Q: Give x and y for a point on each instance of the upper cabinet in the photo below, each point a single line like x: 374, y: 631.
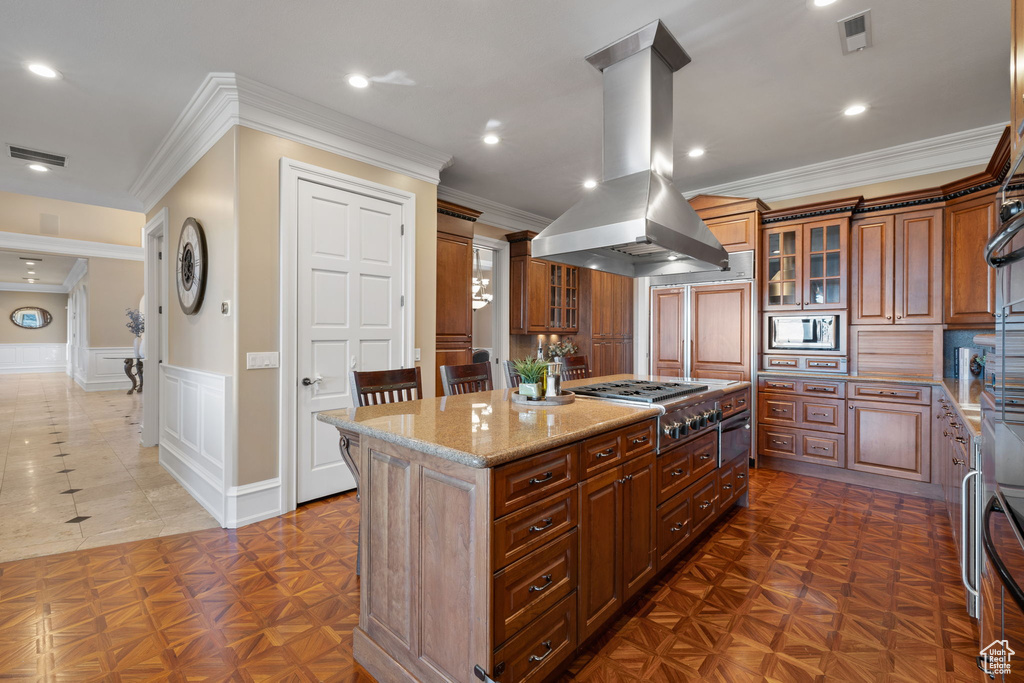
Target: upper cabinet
x: 543, y: 296
x: 454, y: 287
x: 970, y: 283
x: 897, y: 269
x: 733, y: 221
x: 1016, y: 76
x: 805, y: 265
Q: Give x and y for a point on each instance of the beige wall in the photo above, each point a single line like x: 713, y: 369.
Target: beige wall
x: 21, y: 213
x: 921, y: 182
x: 206, y: 340
x: 54, y: 333
x: 113, y: 286
x: 257, y: 302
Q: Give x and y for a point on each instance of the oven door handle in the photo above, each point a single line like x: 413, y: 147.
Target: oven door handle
x: 1000, y: 240
x: 1004, y: 576
x: 963, y: 530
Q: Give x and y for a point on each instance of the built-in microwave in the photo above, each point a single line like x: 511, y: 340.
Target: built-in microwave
x: 822, y: 333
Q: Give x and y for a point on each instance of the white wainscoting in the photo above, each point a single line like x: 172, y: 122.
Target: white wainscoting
x: 20, y: 358
x: 197, y: 447
x: 102, y: 368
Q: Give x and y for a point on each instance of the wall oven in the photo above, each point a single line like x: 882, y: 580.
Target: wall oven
x: 787, y: 333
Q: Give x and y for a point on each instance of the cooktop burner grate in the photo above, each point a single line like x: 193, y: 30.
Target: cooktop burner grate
x: 641, y: 391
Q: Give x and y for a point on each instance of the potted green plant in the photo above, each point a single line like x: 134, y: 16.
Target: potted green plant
x: 531, y: 373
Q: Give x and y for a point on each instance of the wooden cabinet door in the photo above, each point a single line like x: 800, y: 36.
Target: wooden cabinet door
x: 454, y: 288
x: 736, y: 233
x: 720, y: 329
x: 1016, y: 76
x: 871, y: 254
x: 622, y: 323
x: 537, y: 297
x: 518, y: 294
x: 893, y: 439
x: 783, y: 263
x: 639, y: 560
x: 970, y: 296
x: 667, y: 334
x: 917, y: 264
x: 600, y: 585
x: 825, y: 275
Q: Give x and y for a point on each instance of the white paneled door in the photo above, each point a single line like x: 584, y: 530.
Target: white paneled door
x: 350, y: 287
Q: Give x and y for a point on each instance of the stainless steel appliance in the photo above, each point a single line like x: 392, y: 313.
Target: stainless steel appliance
x: 1001, y: 485
x: 734, y: 438
x: 822, y: 333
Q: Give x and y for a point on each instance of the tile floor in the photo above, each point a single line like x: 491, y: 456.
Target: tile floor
x: 73, y: 475
x: 816, y: 581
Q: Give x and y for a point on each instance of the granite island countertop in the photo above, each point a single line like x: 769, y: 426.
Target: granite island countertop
x: 486, y: 429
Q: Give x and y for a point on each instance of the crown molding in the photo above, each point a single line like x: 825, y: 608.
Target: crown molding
x: 946, y: 152
x: 76, y: 273
x: 226, y: 99
x: 20, y: 287
x: 45, y: 244
x: 493, y: 213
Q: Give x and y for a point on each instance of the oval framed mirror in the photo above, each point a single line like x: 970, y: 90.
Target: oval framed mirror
x: 31, y: 317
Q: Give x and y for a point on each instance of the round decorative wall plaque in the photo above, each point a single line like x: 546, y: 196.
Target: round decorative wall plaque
x: 191, y: 266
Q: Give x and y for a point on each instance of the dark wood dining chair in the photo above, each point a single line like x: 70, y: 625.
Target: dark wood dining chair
x: 466, y: 379
x: 512, y: 377
x: 576, y: 367
x: 386, y: 386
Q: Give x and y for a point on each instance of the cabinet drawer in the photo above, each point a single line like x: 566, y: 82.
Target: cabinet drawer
x: 675, y: 472
x: 726, y: 487
x: 674, y: 528
x: 526, y: 481
x: 823, y: 414
x: 705, y: 454
x: 541, y: 647
x: 824, y: 449
x: 778, y: 410
x: 898, y: 393
x: 824, y: 364
x: 528, y: 588
x: 741, y: 477
x: 518, y: 534
x: 822, y: 388
x: 735, y: 403
x: 777, y: 442
x: 638, y: 439
x: 786, y: 362
x: 785, y: 386
x: 820, y: 448
x: 705, y: 502
x: 599, y: 454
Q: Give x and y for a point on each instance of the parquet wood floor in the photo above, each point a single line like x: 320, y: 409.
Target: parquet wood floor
x: 816, y: 581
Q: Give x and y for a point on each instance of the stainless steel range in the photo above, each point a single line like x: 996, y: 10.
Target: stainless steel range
x: 691, y: 406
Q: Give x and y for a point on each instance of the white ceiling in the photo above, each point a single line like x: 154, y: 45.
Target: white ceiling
x: 49, y: 269
x: 764, y: 92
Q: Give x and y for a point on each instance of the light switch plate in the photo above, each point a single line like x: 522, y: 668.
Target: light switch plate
x: 415, y: 354
x: 261, y: 361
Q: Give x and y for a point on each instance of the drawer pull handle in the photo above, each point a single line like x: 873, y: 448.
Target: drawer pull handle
x: 538, y: 589
x: 541, y: 658
x: 545, y: 523
x: 727, y: 407
x: 640, y: 439
x: 678, y: 472
x: 959, y: 461
x: 824, y: 389
x: 705, y: 456
x: 543, y: 478
x: 705, y: 505
x: 726, y: 486
x: 961, y: 439
x: 625, y: 478
x: 743, y: 401
x: 678, y: 526
x: 741, y: 476
x: 604, y: 454
x: 780, y: 443
x: 820, y: 414
x: 822, y: 365
x: 778, y: 410
x: 820, y: 448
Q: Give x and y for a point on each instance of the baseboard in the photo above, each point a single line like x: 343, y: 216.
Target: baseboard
x: 103, y: 385
x: 199, y: 484
x: 103, y: 369
x: 875, y: 481
x: 32, y: 370
x: 253, y: 502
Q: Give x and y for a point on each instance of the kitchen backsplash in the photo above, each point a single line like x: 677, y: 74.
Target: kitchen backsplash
x: 951, y: 339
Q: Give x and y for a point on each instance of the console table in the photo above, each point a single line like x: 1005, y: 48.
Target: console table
x: 132, y: 368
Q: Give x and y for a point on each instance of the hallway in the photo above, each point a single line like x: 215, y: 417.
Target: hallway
x: 74, y: 475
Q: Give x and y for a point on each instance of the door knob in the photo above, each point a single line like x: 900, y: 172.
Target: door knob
x: 306, y: 382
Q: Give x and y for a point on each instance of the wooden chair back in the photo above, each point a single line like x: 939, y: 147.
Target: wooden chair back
x: 466, y: 379
x: 575, y: 367
x: 512, y: 377
x: 386, y: 386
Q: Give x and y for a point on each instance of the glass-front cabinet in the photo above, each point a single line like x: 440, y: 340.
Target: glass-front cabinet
x: 806, y: 266
x: 563, y: 297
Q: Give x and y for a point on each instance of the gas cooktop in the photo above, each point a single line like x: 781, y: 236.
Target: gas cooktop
x: 640, y: 390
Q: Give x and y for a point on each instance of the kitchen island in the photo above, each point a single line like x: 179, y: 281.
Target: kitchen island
x: 497, y: 538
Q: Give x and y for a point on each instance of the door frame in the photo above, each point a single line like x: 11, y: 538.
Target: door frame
x: 154, y: 280
x: 501, y: 284
x: 292, y: 173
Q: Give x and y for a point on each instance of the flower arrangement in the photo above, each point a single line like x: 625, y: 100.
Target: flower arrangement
x: 531, y: 370
x: 561, y: 349
x: 136, y: 321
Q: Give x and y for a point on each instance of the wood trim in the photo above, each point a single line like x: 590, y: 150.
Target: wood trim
x: 799, y: 214
x: 457, y: 211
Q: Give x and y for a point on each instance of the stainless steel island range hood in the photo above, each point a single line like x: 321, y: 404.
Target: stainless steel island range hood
x: 635, y: 222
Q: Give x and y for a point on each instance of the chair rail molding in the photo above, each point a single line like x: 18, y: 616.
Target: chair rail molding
x: 943, y: 153
x: 224, y: 100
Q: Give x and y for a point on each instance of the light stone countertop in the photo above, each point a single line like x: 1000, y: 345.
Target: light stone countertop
x: 486, y: 429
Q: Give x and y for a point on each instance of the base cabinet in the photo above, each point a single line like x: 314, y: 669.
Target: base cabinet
x: 889, y: 438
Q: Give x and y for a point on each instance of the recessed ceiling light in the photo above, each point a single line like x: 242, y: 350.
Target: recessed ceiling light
x: 31, y: 272
x: 491, y: 139
x: 39, y: 168
x: 31, y: 280
x: 43, y: 71
x: 590, y: 183
x: 30, y: 263
x: 358, y: 80
x: 823, y: 3
x: 855, y: 109
x: 696, y: 152
x: 672, y: 257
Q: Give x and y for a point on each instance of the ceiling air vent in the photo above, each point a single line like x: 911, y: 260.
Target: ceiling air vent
x: 35, y: 156
x: 855, y: 32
